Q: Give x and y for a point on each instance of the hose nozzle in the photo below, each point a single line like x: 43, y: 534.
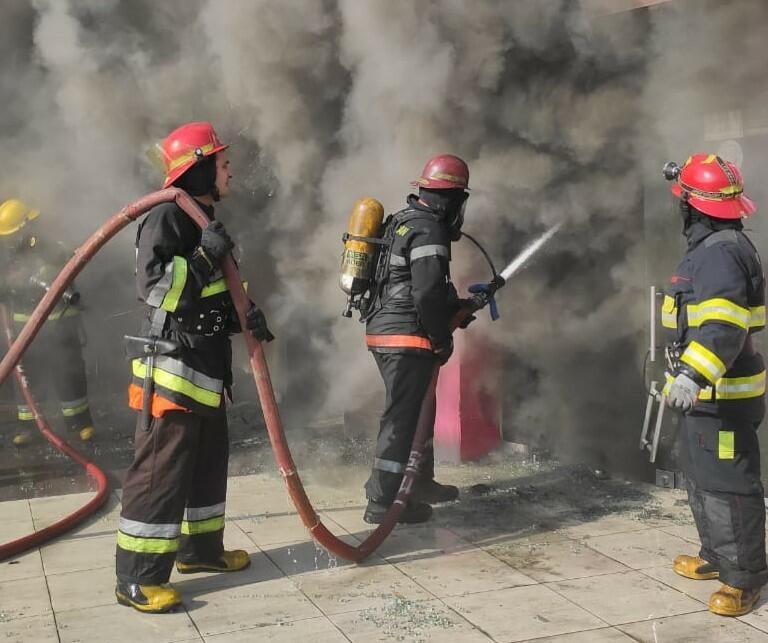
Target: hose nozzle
x: 671, y: 171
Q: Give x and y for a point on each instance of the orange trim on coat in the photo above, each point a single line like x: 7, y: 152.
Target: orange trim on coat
x: 398, y: 341
x: 160, y: 405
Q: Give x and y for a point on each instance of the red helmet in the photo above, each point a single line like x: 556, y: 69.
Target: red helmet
x: 185, y: 146
x: 444, y: 172
x: 714, y: 186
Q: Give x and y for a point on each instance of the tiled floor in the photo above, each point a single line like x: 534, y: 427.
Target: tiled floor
x: 544, y: 559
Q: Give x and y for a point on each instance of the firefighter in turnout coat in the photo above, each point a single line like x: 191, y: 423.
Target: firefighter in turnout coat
x: 174, y: 492
x: 715, y: 303
x: 408, y: 331
x: 31, y: 261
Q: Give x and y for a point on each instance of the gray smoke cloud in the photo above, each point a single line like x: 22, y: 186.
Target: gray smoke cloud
x: 326, y: 102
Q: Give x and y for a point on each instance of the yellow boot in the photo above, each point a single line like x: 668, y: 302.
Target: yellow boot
x: 733, y: 601
x: 229, y: 561
x: 694, y: 568
x: 153, y: 599
x: 86, y: 433
x: 22, y: 438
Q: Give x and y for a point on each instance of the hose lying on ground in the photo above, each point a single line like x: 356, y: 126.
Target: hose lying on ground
x: 259, y: 367
x: 37, y: 538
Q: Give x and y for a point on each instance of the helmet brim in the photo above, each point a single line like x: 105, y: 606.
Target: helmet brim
x: 738, y: 208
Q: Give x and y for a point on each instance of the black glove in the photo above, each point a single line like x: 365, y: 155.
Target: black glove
x: 215, y: 242
x: 256, y: 323
x: 443, y: 349
x: 466, y: 305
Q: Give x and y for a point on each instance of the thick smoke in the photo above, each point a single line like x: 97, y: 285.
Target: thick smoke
x: 329, y: 101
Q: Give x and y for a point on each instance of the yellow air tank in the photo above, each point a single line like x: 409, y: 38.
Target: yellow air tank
x: 358, y: 261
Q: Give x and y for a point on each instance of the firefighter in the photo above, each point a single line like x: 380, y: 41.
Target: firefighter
x: 714, y: 305
x: 55, y: 357
x: 408, y: 331
x: 174, y: 492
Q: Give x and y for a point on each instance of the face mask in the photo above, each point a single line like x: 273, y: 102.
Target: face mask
x: 458, y: 221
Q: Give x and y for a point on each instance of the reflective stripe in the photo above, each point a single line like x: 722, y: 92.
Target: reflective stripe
x: 669, y: 312
x: 757, y: 317
x: 718, y: 310
x: 704, y: 361
x: 398, y: 341
x: 25, y: 414
x: 725, y: 445
x: 69, y: 312
x: 176, y: 376
x: 202, y: 526
x: 729, y: 388
x: 147, y: 545
x: 74, y: 407
x: 201, y: 513
x: 171, y: 299
x: 148, y: 530
x: 161, y: 288
x: 217, y: 287
x: 388, y: 465
x: 397, y: 260
x: 432, y: 250
x: 186, y: 158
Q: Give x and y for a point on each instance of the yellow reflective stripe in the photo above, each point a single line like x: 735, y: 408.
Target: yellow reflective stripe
x: 171, y: 299
x: 147, y: 545
x: 178, y: 384
x: 71, y: 412
x: 757, y: 316
x: 725, y: 445
x: 191, y: 528
x: 703, y: 361
x: 669, y: 312
x: 718, y: 309
x: 216, y: 287
x: 710, y: 159
x: 740, y: 388
x: 729, y: 388
x: 26, y: 416
x: 186, y: 158
x: 69, y: 312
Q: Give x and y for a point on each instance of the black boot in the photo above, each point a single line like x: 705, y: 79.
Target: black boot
x: 433, y: 492
x: 414, y: 512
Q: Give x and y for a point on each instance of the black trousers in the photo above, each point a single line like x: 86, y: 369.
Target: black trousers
x: 173, y: 496
x: 721, y: 461
x: 56, y: 358
x: 406, y: 378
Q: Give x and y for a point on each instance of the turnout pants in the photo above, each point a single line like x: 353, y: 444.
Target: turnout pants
x: 173, y: 496
x: 721, y: 460
x: 56, y: 358
x: 406, y: 378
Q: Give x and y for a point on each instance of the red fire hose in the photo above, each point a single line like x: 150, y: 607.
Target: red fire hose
x: 37, y: 538
x: 258, y: 365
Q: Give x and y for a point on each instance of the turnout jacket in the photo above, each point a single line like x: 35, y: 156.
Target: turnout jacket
x: 188, y: 303
x: 417, y: 300
x: 28, y: 269
x: 714, y: 304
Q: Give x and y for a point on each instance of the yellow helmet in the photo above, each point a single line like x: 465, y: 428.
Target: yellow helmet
x: 14, y: 215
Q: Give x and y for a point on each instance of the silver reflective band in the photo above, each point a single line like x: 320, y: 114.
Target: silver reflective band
x: 388, y: 465
x: 73, y: 404
x: 203, y: 513
x: 161, y: 288
x: 176, y: 367
x: 433, y: 250
x: 397, y: 260
x: 148, y: 530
